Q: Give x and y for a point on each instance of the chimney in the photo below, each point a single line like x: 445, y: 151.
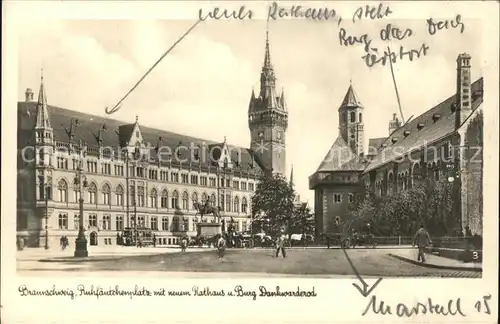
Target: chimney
x: 29, y: 95
x: 463, y: 96
x: 394, y: 124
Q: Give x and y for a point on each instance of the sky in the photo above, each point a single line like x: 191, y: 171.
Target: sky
x: 202, y: 88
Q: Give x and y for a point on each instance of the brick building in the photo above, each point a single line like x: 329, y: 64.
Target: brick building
x: 446, y: 138
x: 130, y: 178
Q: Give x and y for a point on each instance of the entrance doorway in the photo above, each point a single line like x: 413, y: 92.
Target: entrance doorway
x: 93, y: 238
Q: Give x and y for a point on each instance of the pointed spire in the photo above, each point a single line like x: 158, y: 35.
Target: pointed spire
x: 42, y: 114
x: 291, y: 178
x: 350, y: 99
x: 267, y: 55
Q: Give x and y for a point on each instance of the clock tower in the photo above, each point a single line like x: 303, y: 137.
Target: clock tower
x: 268, y: 120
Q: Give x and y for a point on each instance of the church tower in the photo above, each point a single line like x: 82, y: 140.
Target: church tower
x: 268, y: 120
x: 351, y: 122
x: 44, y: 148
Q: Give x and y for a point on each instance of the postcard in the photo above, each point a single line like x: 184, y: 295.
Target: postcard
x: 269, y: 162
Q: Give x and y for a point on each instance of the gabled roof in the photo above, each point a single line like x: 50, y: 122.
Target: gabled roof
x: 350, y: 99
x: 374, y: 145
x: 340, y: 158
x: 432, y: 125
x: 90, y: 125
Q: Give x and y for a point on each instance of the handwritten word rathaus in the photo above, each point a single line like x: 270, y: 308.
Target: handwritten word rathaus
x: 297, y: 11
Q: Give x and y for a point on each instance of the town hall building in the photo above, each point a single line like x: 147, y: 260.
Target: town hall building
x: 129, y: 180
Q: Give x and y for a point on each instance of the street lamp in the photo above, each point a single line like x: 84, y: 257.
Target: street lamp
x: 219, y: 187
x: 81, y: 181
x: 47, y: 186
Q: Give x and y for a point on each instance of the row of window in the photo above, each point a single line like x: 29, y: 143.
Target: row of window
x: 152, y: 222
x: 404, y: 181
x: 338, y: 197
x: 152, y: 174
x: 227, y: 202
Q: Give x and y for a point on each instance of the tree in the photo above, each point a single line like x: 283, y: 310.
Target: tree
x: 272, y: 204
x: 427, y: 202
x: 302, y: 221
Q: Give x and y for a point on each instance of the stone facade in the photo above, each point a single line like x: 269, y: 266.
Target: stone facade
x: 129, y: 178
x: 437, y: 145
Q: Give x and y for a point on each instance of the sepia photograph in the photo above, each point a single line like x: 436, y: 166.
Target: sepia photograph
x: 252, y: 141
x: 134, y: 197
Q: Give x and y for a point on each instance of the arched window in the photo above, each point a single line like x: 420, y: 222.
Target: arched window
x: 344, y: 117
x: 244, y: 205
x: 164, y: 199
x: 390, y: 184
x: 221, y: 202
x: 92, y: 193
x: 236, y: 205
x: 141, y: 196
x: 228, y: 202
x: 153, y: 198
x: 106, y: 192
x: 204, y: 198
x: 175, y: 199
x: 213, y: 200
x: 62, y: 188
x: 119, y: 195
x: 353, y: 116
x: 360, y: 117
x: 194, y: 197
x: 416, y: 171
x: 63, y: 221
x: 185, y: 200
x: 435, y: 168
x: 165, y: 224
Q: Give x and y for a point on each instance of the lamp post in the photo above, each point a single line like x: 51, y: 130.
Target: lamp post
x: 47, y: 187
x: 219, y: 187
x: 81, y: 241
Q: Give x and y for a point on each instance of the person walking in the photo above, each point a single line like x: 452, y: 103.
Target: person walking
x: 280, y: 245
x: 184, y: 244
x: 221, y: 246
x: 422, y: 240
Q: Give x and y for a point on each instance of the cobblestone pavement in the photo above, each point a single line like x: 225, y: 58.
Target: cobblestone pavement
x: 321, y: 263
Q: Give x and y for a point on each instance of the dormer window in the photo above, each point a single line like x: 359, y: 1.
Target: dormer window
x: 406, y: 133
x: 394, y: 140
x: 436, y: 117
x: 420, y: 126
x: 137, y: 134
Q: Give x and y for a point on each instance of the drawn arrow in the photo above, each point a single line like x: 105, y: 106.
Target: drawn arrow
x: 364, y: 291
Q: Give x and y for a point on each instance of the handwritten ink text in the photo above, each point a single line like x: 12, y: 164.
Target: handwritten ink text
x: 297, y: 11
x: 347, y: 40
x: 373, y: 58
x: 371, y: 12
x: 218, y: 13
x: 391, y: 32
x: 453, y: 308
x: 433, y: 26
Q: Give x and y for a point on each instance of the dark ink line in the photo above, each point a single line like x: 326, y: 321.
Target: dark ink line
x: 117, y: 106
x: 364, y: 291
x: 396, y: 87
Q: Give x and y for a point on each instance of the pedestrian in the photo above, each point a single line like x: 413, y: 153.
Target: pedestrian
x: 154, y: 240
x: 328, y: 240
x: 422, y: 240
x: 280, y: 245
x: 183, y: 244
x: 221, y: 246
